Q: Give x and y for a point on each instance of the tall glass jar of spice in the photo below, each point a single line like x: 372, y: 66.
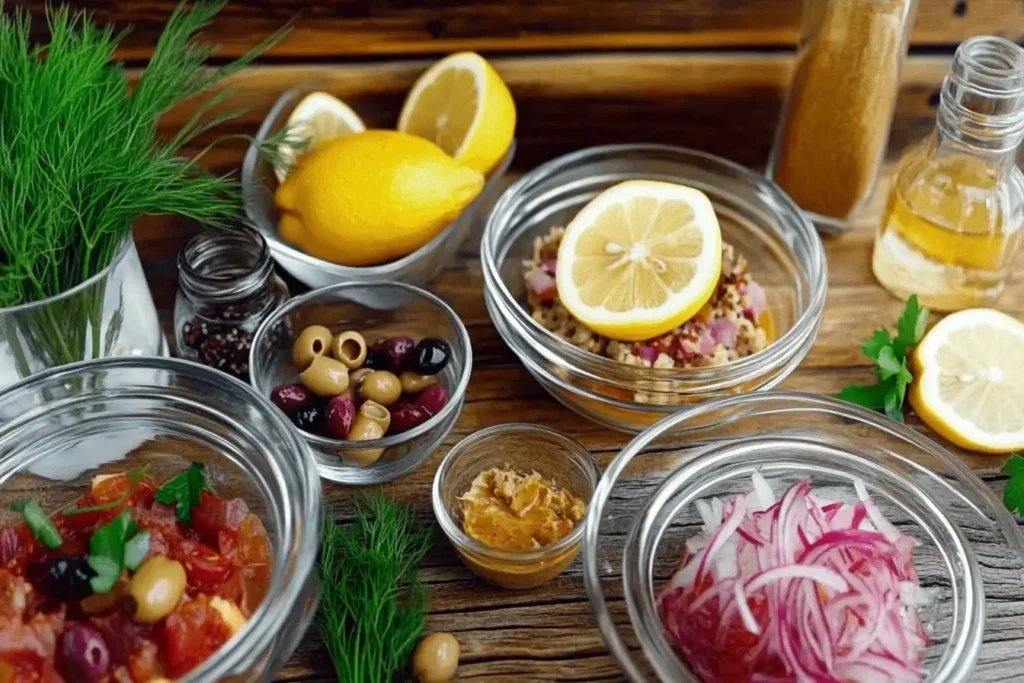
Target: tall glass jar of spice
x: 226, y: 288
x: 835, y: 124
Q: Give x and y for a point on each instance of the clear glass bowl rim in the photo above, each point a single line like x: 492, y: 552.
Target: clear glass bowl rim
x: 811, y: 402
x: 285, y: 593
x: 455, y: 534
x: 392, y: 268
x: 455, y: 399
x: 590, y: 364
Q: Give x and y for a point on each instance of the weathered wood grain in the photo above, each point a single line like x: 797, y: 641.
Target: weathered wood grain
x: 335, y: 28
x: 546, y: 634
x: 724, y: 103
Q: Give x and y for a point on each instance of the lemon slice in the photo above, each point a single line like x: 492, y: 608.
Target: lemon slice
x: 640, y: 259
x: 462, y: 105
x: 316, y: 118
x: 969, y: 380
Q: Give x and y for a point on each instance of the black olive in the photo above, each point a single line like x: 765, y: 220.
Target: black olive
x: 430, y: 356
x: 375, y: 360
x: 67, y: 578
x: 310, y: 418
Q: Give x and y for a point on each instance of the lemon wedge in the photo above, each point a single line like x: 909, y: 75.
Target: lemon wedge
x: 316, y: 118
x: 462, y: 105
x: 969, y: 381
x: 640, y: 259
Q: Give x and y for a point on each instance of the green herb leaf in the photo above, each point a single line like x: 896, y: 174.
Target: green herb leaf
x: 888, y: 364
x: 912, y: 323
x: 107, y: 551
x: 135, y: 550
x: 38, y: 522
x: 183, y: 492
x: 894, y: 404
x: 871, y: 397
x: 874, y: 344
x: 373, y: 607
x: 1013, y: 494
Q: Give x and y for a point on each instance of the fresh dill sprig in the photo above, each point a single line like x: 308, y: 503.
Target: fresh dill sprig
x: 282, y: 149
x: 372, y: 605
x: 81, y: 160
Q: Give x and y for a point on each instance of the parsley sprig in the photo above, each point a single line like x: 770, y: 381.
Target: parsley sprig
x: 183, y: 492
x: 113, y: 547
x: 890, y: 352
x: 1013, y: 494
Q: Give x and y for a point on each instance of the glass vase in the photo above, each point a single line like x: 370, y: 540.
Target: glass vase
x: 110, y: 314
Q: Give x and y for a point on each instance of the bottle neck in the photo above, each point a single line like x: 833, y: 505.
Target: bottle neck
x: 226, y: 266
x: 981, y: 106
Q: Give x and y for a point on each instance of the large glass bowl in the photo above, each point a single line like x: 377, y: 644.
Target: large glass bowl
x: 970, y: 555
x: 782, y: 247
x: 418, y: 268
x: 63, y: 426
x: 377, y: 311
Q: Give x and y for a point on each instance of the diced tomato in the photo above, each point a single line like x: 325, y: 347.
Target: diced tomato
x: 205, y: 568
x: 253, y: 556
x: 144, y: 662
x: 27, y: 669
x: 114, y: 488
x: 214, y: 515
x: 191, y: 633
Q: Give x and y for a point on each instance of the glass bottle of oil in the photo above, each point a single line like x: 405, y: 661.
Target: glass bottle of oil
x: 953, y: 220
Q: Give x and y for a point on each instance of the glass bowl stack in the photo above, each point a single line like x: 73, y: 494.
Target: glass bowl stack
x: 63, y: 426
x: 782, y: 247
x: 376, y: 311
x: 970, y: 553
x: 418, y: 268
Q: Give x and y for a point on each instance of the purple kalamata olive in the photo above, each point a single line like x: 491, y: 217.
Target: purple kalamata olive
x: 341, y: 411
x: 433, y: 399
x: 396, y: 350
x: 405, y: 416
x: 84, y: 655
x: 290, y: 397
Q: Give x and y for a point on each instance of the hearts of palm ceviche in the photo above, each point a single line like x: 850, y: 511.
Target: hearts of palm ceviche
x: 641, y: 276
x: 796, y: 589
x: 137, y: 582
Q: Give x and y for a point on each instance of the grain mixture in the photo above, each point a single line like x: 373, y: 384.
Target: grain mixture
x: 730, y: 325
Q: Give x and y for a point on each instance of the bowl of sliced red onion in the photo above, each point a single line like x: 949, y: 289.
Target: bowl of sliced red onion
x: 789, y: 537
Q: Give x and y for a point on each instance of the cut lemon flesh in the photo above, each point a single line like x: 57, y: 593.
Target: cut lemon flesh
x: 462, y: 105
x: 969, y: 380
x: 316, y: 118
x: 640, y: 259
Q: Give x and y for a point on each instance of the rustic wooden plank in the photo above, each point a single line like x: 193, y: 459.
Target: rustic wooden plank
x: 724, y: 103
x: 338, y: 28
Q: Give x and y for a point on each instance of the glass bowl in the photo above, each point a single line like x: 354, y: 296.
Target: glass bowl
x: 782, y: 247
x: 970, y: 553
x: 375, y: 310
x: 63, y: 426
x: 525, y: 448
x: 418, y: 268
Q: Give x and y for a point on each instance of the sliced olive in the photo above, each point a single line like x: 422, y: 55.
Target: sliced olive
x: 381, y: 386
x: 350, y: 348
x: 371, y: 410
x: 355, y: 380
x: 325, y: 376
x: 313, y: 341
x: 364, y: 429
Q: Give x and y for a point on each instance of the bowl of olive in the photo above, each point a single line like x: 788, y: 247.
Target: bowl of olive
x: 372, y: 375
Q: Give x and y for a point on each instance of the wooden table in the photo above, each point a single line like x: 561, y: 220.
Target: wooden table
x: 708, y: 74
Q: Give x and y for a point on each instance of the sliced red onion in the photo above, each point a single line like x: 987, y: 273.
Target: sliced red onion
x: 645, y: 352
x: 705, y: 343
x: 757, y: 298
x: 551, y: 265
x: 724, y: 332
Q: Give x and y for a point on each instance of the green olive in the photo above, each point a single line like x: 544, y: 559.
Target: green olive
x: 364, y: 429
x: 325, y: 376
x: 350, y: 348
x: 436, y: 658
x: 157, y: 588
x: 381, y: 386
x: 413, y: 383
x: 371, y: 410
x: 355, y: 380
x: 313, y: 341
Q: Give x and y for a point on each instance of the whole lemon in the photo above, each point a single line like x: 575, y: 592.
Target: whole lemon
x: 372, y: 197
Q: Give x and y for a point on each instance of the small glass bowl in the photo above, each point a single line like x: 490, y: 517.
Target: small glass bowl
x: 970, y: 550
x: 375, y: 310
x: 525, y: 448
x: 783, y: 249
x: 64, y: 426
x: 418, y: 268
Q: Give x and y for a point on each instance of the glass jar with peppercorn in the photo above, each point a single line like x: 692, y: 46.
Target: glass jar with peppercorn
x: 226, y: 288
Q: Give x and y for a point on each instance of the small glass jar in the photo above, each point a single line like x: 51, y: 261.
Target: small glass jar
x: 952, y: 224
x: 226, y: 288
